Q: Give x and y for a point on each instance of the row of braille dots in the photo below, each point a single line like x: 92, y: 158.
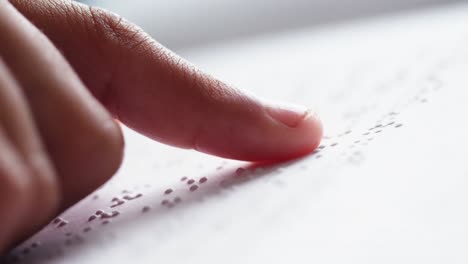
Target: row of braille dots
x: 319, y: 150
x: 170, y: 202
x: 369, y: 136
x: 376, y: 129
x: 102, y: 215
x: 24, y: 252
x: 58, y: 222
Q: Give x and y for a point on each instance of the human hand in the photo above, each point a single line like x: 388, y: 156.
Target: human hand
x: 58, y: 137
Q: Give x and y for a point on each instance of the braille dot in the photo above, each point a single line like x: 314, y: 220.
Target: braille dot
x: 191, y: 181
x: 379, y: 125
x: 105, y: 222
x: 390, y: 123
x: 219, y: 168
x: 165, y: 202
x: 35, y: 244
x: 91, y: 218
x: 398, y: 125
x: 240, y: 171
x: 86, y: 229
x: 318, y: 156
x: 193, y: 188
x: 203, y: 180
x: 119, y: 203
x: 183, y: 179
x: 365, y: 134
x: 125, y: 191
x: 129, y: 198
x: 334, y: 144
x: 168, y: 191
x: 68, y: 234
x: 57, y: 220
x: 62, y: 224
x: 177, y: 200
x: 378, y: 131
x: 321, y: 147
x: 99, y: 212
x: 115, y: 199
x: 26, y: 251
x: 95, y: 197
x: 348, y: 132
x: 145, y: 209
x: 357, y: 141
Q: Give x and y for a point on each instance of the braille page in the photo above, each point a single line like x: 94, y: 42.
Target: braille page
x: 388, y: 184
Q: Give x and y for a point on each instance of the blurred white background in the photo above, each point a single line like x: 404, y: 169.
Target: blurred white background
x: 190, y: 23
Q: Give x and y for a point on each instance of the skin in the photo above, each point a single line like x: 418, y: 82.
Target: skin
x: 69, y: 71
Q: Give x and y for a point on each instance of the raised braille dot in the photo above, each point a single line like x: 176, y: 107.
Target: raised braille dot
x: 165, y: 202
x: 177, y: 200
x: 168, y: 191
x: 203, y: 180
x: 86, y: 229
x: 99, y: 212
x: 92, y: 218
x: 183, y: 179
x: 240, y: 171
x: 191, y: 181
x: 398, y: 125
x: 57, y: 220
x: 145, y: 209
x: 62, y: 224
x: 193, y: 188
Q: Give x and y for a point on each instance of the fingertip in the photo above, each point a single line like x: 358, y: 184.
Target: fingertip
x: 270, y: 132
x: 296, y: 131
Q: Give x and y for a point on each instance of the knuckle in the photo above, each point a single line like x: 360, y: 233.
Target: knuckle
x: 14, y: 186
x: 105, y: 150
x: 112, y: 145
x: 46, y: 185
x: 115, y: 28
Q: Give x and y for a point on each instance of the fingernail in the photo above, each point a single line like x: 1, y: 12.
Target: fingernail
x: 290, y: 115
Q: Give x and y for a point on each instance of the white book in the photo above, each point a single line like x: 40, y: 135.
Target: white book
x: 389, y: 183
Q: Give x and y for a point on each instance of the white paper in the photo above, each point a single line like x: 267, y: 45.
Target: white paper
x: 389, y: 186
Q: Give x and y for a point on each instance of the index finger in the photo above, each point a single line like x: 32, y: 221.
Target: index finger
x: 157, y: 93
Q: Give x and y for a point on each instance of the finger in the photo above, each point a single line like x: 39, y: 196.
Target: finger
x: 14, y: 194
x: 81, y: 138
x: 162, y: 96
x: 24, y: 151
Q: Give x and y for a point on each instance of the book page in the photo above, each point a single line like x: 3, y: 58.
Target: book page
x: 388, y: 184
